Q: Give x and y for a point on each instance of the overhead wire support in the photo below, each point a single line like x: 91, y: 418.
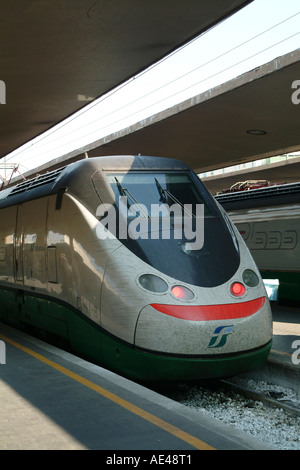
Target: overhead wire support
x: 5, y: 181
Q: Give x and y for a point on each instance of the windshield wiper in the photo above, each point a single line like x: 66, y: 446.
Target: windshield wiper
x: 160, y: 190
x: 122, y: 190
x: 163, y: 192
x: 125, y: 192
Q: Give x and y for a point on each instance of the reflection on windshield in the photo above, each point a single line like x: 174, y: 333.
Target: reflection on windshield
x: 130, y: 200
x: 146, y: 189
x: 197, y: 249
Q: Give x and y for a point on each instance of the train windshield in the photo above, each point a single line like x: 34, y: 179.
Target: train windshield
x: 148, y: 189
x: 172, y: 221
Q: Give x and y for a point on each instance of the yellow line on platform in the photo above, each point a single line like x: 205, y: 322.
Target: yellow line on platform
x: 193, y: 441
x: 282, y: 353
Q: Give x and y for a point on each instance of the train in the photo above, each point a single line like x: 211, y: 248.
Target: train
x: 269, y: 221
x: 111, y: 258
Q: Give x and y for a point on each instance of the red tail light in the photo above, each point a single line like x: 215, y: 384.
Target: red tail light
x: 237, y: 289
x: 178, y: 292
x: 182, y: 293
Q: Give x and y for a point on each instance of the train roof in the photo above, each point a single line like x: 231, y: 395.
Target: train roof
x: 56, y: 180
x: 269, y: 196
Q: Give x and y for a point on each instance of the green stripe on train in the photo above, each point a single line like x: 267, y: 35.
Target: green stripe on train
x: 67, y: 328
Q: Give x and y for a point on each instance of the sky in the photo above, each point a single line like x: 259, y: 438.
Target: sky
x: 260, y: 32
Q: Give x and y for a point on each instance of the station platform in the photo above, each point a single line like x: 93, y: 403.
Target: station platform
x: 52, y: 400
x: 286, y: 330
x: 283, y: 365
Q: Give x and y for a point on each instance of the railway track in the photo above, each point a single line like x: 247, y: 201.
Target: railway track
x: 268, y: 412
x: 271, y: 398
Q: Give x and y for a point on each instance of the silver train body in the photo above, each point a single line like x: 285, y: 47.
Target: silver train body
x: 146, y: 306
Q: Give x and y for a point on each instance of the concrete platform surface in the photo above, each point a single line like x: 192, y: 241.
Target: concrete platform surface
x: 54, y: 400
x: 283, y: 365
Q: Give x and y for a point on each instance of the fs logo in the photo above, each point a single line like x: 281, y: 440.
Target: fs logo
x: 219, y: 337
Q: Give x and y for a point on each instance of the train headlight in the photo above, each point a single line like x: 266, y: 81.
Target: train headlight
x: 250, y: 278
x: 182, y: 293
x: 237, y: 289
x: 153, y: 283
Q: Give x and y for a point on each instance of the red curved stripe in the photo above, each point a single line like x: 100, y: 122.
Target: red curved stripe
x: 212, y: 312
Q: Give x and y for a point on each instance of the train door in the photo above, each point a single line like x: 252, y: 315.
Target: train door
x: 18, y: 248
x: 7, y: 243
x: 29, y: 243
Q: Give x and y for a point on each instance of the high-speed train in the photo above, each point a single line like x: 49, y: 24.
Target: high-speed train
x: 103, y: 255
x: 269, y: 222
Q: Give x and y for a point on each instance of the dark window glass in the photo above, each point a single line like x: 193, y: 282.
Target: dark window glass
x: 213, y: 264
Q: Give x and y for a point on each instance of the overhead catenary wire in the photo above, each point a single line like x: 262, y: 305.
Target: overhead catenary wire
x: 42, y: 140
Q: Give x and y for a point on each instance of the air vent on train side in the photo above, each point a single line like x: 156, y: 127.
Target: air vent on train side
x: 36, y: 182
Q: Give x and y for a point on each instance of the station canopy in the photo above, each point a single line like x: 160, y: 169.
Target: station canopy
x: 57, y: 55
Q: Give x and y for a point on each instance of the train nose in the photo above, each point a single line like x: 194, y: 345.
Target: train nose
x: 193, y: 329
